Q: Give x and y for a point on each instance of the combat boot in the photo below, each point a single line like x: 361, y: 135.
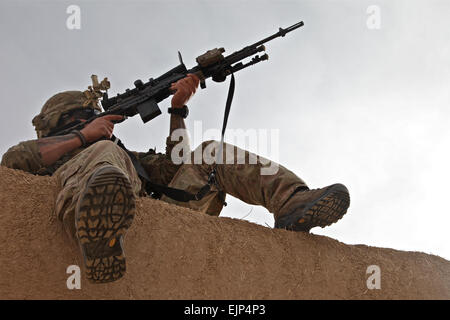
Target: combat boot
x: 307, y: 209
x: 104, y: 212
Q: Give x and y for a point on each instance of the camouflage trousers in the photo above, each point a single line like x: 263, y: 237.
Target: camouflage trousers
x: 237, y: 176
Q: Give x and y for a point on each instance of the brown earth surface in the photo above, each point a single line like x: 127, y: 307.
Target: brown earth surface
x: 175, y: 253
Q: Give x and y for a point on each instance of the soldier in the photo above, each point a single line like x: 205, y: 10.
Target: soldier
x: 98, y: 183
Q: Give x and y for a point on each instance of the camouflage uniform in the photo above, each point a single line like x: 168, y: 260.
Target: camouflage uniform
x: 98, y: 184
x: 243, y: 181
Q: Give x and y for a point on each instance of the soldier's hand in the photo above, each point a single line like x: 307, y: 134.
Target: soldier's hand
x: 100, y: 127
x: 184, y: 89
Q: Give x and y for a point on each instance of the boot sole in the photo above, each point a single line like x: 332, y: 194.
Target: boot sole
x: 326, y: 210
x: 104, y: 213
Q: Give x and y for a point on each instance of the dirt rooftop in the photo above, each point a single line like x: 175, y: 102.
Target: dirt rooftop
x: 175, y: 253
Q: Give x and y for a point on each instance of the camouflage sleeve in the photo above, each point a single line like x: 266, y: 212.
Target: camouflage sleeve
x: 24, y: 156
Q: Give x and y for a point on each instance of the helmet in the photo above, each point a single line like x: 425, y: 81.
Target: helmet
x: 63, y: 102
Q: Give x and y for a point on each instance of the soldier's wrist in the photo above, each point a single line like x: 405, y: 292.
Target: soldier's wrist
x: 182, y: 112
x: 80, y: 136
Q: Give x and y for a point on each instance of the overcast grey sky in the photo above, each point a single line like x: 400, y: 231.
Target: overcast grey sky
x: 365, y: 107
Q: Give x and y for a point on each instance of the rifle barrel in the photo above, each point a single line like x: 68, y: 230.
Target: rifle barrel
x: 281, y: 33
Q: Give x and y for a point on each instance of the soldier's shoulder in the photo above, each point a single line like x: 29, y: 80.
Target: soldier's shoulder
x: 24, y: 156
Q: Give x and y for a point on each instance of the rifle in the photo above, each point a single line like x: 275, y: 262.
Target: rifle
x: 144, y: 98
